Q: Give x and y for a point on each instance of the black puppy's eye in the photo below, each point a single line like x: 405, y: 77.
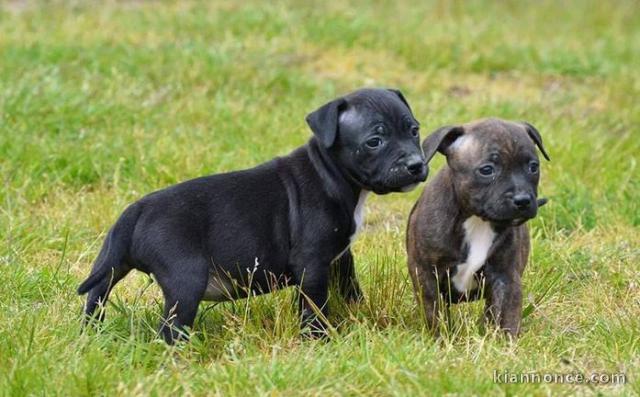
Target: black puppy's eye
x: 534, y: 167
x: 415, y: 131
x: 373, y: 143
x: 486, y: 170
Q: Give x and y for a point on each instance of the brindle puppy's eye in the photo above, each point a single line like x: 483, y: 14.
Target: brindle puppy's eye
x: 534, y: 167
x: 415, y: 131
x: 486, y: 170
x: 373, y: 143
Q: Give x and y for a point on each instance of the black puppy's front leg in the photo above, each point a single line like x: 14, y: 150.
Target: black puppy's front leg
x: 344, y: 273
x: 313, y: 284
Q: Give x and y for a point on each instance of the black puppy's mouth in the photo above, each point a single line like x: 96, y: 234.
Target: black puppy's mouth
x: 400, y: 182
x: 396, y: 189
x: 409, y: 188
x: 404, y: 187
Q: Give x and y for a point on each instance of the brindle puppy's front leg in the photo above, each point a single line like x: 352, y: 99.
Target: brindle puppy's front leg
x: 503, y: 304
x: 425, y: 285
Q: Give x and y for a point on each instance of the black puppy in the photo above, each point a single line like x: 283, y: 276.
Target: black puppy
x: 284, y: 222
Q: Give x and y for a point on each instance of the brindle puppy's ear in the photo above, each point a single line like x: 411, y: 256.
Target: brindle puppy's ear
x: 324, y: 121
x: 536, y: 138
x: 402, y: 98
x: 440, y: 140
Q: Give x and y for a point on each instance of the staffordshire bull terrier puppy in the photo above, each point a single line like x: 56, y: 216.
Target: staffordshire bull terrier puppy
x: 281, y: 223
x: 466, y: 236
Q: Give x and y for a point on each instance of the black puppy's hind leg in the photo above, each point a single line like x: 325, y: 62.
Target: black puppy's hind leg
x: 183, y: 287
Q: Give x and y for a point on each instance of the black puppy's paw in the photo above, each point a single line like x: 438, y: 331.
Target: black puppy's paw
x: 312, y: 327
x: 354, y: 296
x: 173, y: 334
x: 315, y: 334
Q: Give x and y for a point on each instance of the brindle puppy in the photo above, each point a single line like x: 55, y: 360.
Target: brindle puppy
x: 467, y: 236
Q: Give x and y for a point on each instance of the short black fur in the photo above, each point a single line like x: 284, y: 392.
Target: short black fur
x: 281, y: 223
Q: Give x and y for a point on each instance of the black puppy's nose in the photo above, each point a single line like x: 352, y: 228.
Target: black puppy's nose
x: 415, y: 166
x: 522, y: 201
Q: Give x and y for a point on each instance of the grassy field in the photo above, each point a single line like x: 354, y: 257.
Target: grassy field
x: 102, y: 102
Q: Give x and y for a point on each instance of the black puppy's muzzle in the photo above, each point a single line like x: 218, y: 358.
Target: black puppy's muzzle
x: 416, y: 167
x: 404, y: 175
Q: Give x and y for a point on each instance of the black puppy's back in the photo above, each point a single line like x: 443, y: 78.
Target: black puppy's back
x: 222, y: 236
x: 197, y: 217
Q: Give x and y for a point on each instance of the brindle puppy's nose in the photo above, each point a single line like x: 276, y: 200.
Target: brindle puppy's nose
x: 522, y: 201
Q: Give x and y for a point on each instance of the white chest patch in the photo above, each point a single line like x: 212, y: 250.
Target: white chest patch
x: 358, y: 214
x: 479, y: 236
x: 358, y: 219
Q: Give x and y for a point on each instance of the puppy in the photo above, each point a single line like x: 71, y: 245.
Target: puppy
x: 281, y: 223
x: 466, y: 236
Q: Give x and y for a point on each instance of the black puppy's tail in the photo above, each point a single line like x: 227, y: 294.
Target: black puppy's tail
x: 113, y: 250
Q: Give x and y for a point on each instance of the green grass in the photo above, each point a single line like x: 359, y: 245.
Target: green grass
x: 102, y: 103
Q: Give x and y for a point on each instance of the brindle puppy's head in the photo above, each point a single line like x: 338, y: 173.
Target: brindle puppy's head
x: 495, y: 167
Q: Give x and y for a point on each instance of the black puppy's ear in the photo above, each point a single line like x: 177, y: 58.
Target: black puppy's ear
x: 440, y: 140
x: 324, y: 121
x: 536, y: 138
x: 402, y: 98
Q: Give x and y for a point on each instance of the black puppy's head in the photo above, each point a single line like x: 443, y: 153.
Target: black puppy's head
x: 374, y: 137
x: 495, y: 167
